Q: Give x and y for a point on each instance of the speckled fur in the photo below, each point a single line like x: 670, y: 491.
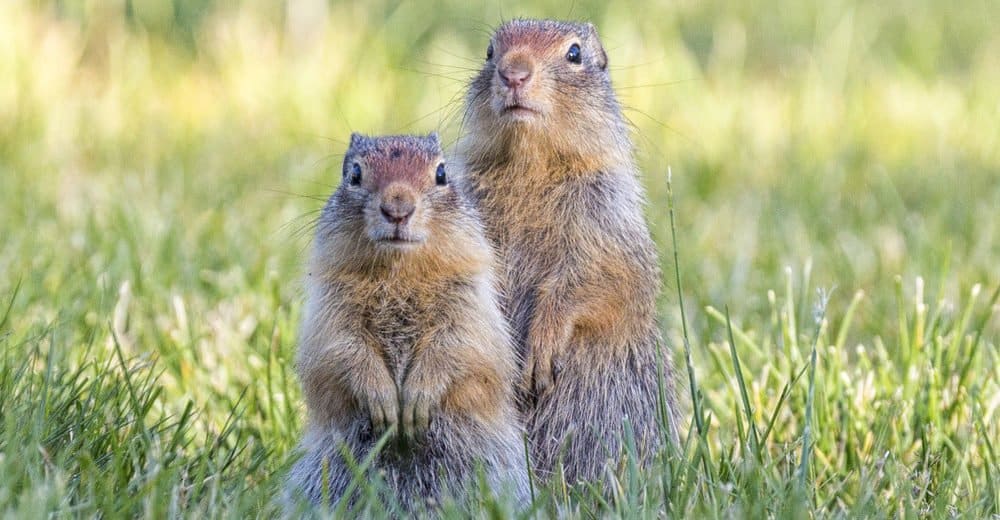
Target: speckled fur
x: 560, y: 196
x: 409, y: 338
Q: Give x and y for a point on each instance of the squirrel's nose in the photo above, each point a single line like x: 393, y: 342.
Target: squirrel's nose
x: 397, y: 210
x: 514, y: 75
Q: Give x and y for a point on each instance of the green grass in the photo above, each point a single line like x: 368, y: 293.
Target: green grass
x: 836, y: 185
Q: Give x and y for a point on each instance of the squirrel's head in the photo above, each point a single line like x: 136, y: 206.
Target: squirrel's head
x: 547, y: 81
x: 394, y: 185
x: 398, y: 205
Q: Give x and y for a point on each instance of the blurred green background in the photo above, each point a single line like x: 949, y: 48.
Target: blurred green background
x: 161, y: 163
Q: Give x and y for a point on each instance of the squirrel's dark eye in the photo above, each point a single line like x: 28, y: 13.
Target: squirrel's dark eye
x: 489, y: 52
x: 573, y: 54
x: 355, y: 174
x: 440, y: 177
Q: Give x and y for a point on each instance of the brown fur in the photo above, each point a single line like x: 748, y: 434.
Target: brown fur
x: 550, y: 165
x: 402, y: 331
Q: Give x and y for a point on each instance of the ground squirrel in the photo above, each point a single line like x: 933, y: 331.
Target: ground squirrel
x: 402, y: 329
x: 549, y: 163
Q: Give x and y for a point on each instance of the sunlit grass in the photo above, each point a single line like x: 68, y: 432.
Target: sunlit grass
x: 160, y: 170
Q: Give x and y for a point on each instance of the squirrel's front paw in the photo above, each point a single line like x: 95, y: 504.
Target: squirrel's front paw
x: 418, y: 408
x: 383, y: 410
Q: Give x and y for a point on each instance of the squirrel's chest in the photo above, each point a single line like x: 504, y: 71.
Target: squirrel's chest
x: 396, y: 323
x: 533, y: 226
x: 518, y: 213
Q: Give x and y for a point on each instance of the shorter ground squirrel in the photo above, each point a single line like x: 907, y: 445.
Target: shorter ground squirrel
x: 549, y: 162
x: 402, y: 330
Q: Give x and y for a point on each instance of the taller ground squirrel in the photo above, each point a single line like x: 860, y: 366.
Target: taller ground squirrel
x: 549, y: 163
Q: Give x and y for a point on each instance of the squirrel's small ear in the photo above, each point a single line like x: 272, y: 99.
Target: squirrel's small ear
x: 435, y: 138
x: 601, y: 57
x: 356, y: 139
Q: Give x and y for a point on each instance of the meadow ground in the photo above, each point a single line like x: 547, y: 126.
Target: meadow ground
x: 836, y: 176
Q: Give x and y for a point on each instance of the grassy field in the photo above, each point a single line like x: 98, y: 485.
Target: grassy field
x: 836, y: 183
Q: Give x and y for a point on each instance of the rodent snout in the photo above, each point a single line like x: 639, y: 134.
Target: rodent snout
x: 397, y: 208
x: 515, y: 73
